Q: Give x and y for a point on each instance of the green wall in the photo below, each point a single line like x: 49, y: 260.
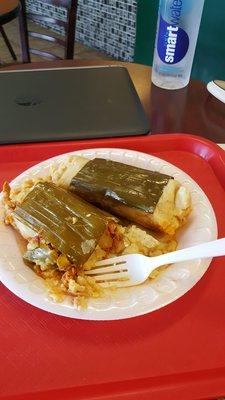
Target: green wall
x: 209, y: 61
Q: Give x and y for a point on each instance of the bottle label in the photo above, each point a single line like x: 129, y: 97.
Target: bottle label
x: 173, y: 41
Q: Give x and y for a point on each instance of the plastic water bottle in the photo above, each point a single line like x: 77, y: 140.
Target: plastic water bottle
x: 176, y: 38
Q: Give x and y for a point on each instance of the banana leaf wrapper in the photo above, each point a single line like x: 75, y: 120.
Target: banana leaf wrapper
x: 67, y: 222
x: 119, y: 187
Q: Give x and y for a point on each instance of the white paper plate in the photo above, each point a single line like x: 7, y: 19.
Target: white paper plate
x: 123, y: 303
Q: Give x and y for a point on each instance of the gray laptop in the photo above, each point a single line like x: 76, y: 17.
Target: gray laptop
x: 69, y: 104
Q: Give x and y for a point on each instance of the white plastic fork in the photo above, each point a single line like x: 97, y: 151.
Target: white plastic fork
x: 133, y: 269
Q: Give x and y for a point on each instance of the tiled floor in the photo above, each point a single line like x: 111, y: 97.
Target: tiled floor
x: 12, y: 31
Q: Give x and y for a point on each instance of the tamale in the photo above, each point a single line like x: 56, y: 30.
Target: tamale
x: 110, y: 183
x: 63, y: 220
x: 66, y: 236
x: 149, y: 198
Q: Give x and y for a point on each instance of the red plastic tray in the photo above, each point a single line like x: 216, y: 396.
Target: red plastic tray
x: 175, y: 353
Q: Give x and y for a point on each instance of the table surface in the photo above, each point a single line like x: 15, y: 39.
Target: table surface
x: 190, y: 110
x: 9, y: 10
x: 7, y: 6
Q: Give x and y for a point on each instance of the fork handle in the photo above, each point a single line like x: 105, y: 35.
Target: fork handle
x: 214, y: 248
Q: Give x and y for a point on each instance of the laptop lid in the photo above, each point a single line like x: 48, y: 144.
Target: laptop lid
x: 69, y: 104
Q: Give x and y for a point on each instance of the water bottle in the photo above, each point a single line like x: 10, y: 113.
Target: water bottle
x: 176, y: 38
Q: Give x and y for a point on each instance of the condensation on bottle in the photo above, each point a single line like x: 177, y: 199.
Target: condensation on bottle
x: 176, y: 38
